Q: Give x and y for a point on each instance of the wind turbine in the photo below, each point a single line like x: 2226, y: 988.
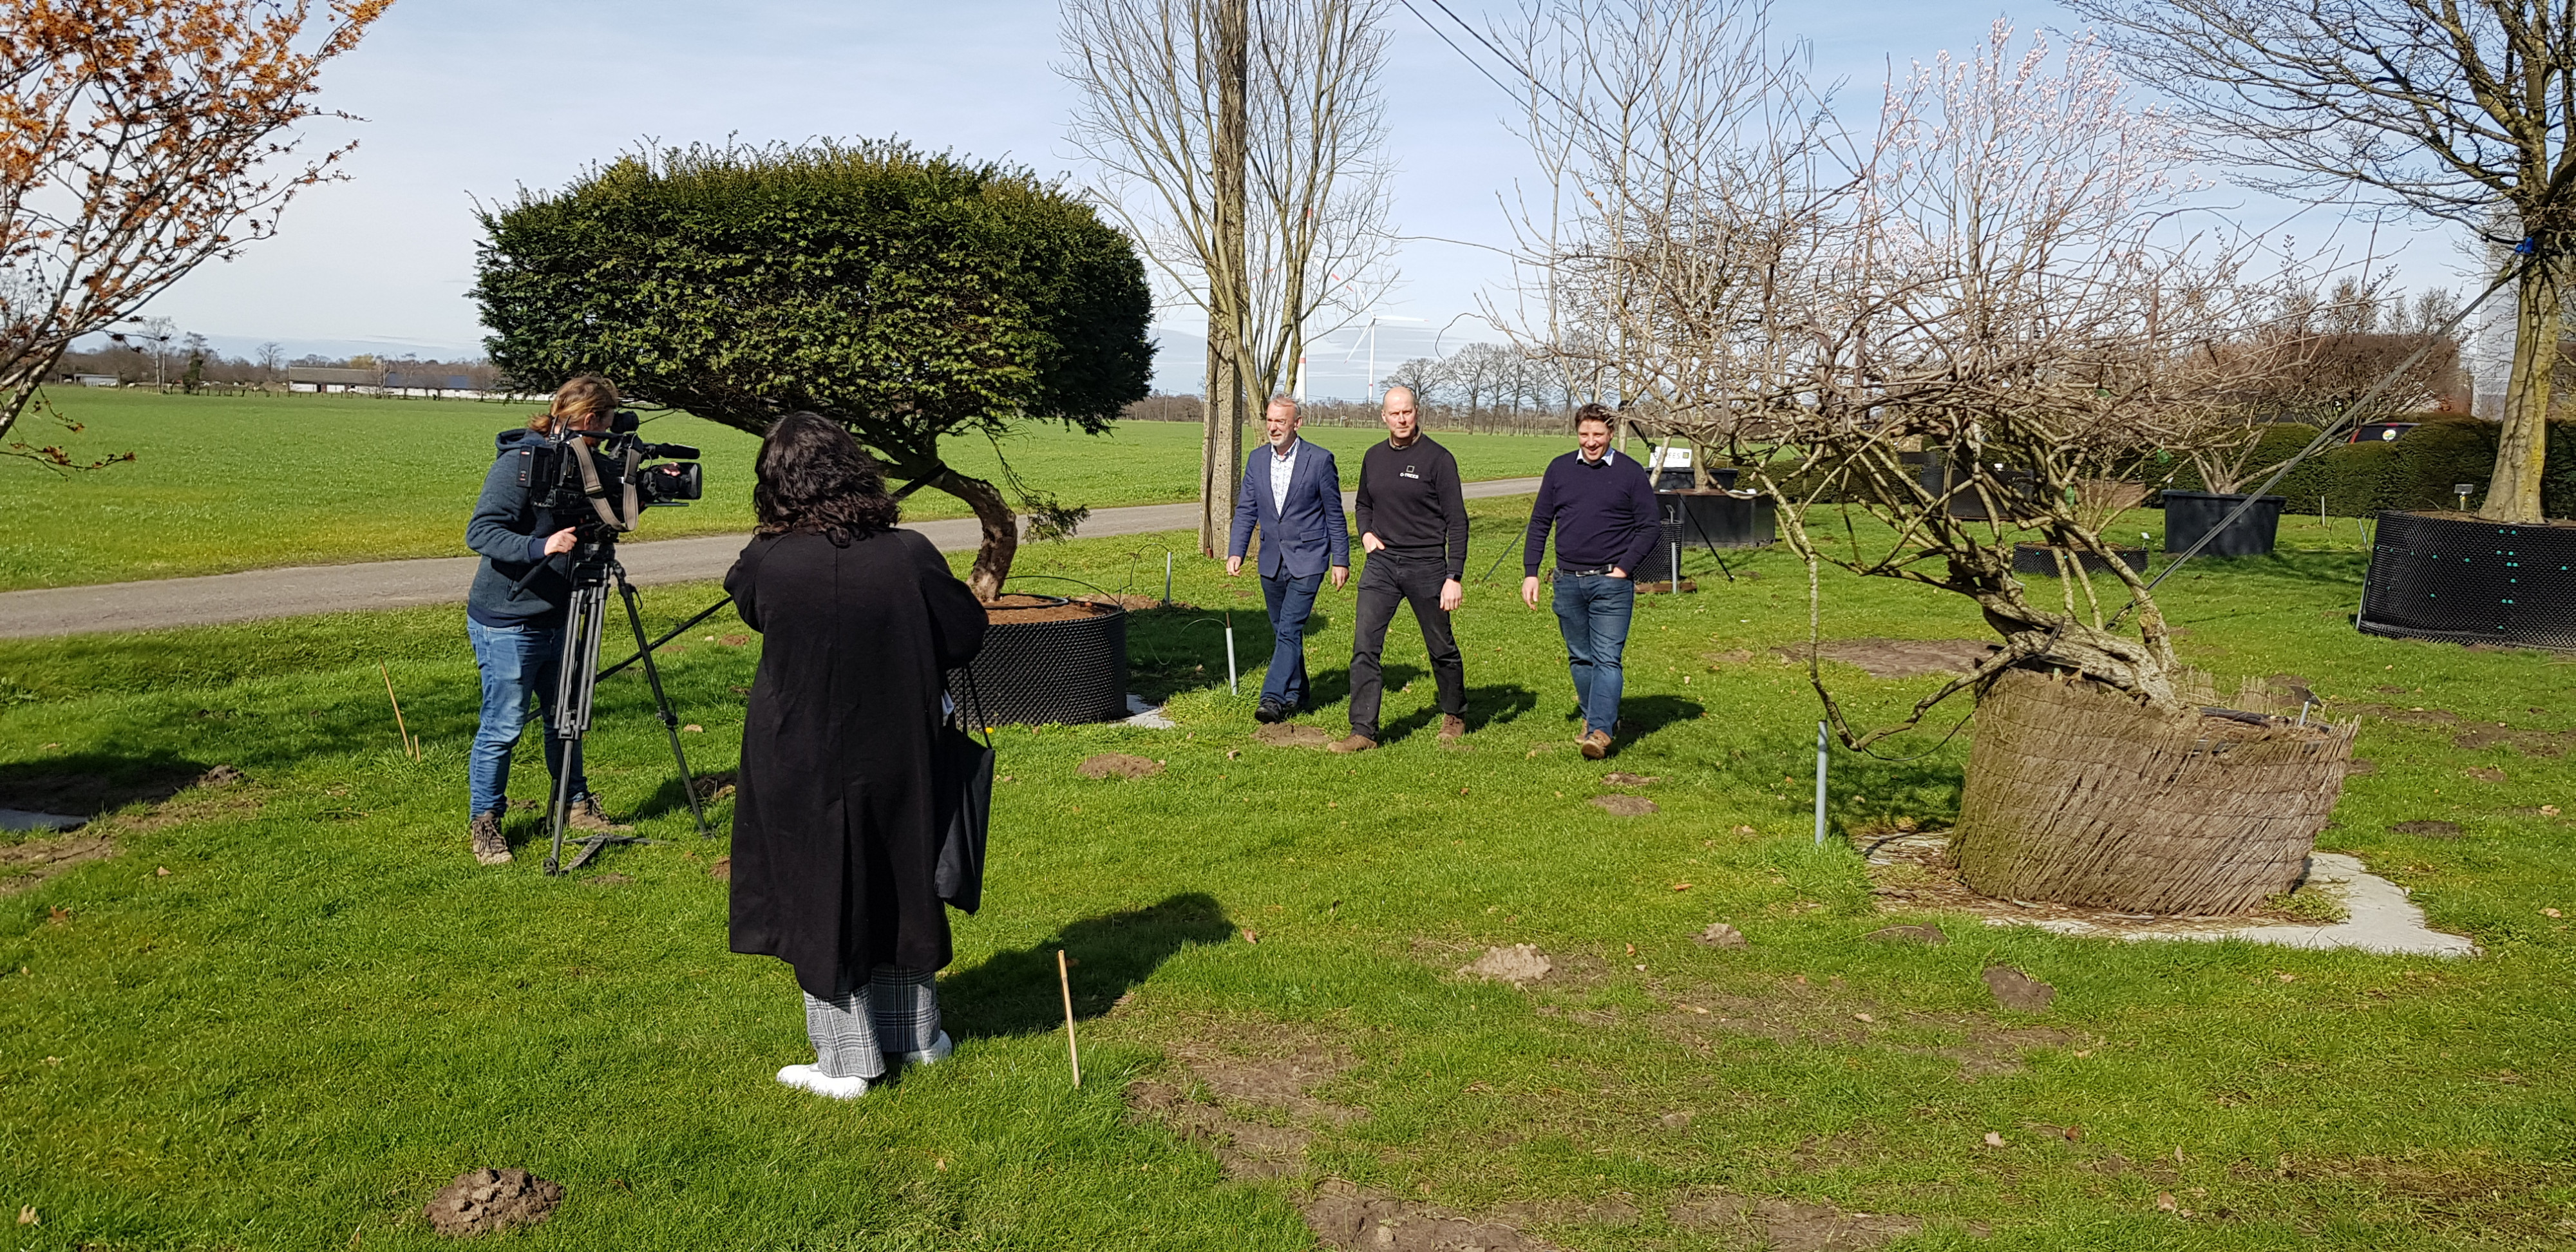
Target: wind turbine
x: 1374, y: 319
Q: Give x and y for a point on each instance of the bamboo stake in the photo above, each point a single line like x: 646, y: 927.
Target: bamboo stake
x: 1064, y: 979
x: 411, y: 746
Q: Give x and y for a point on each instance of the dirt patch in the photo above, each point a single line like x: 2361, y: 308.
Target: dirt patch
x: 1617, y: 778
x: 1902, y: 658
x: 489, y: 1200
x: 1121, y: 765
x: 1625, y: 805
x: 716, y: 786
x: 1255, y: 1114
x: 2018, y: 991
x: 1291, y: 735
x: 1347, y: 1217
x: 1721, y: 935
x: 721, y: 869
x: 2540, y: 743
x: 2427, y: 829
x: 2391, y: 713
x: 2485, y: 774
x: 1021, y: 607
x: 1518, y: 965
x: 1929, y: 936
x: 31, y: 861
x: 1785, y: 1225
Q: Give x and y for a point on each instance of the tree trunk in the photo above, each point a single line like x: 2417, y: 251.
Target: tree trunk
x: 1229, y: 287
x: 2522, y: 447
x: 1001, y: 530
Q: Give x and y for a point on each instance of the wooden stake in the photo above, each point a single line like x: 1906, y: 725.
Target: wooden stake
x: 411, y: 746
x: 1064, y: 979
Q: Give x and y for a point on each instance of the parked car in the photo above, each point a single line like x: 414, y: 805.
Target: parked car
x: 2380, y: 432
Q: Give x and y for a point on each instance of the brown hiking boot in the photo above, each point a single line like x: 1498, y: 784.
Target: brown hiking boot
x: 1452, y: 728
x: 1356, y: 743
x: 489, y: 847
x: 1596, y: 745
x: 587, y: 815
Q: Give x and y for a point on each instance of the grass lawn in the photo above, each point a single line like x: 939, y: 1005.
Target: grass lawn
x: 230, y: 483
x: 324, y: 1010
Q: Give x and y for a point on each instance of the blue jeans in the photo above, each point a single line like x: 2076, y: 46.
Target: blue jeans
x: 1592, y: 611
x: 1291, y: 601
x: 515, y: 660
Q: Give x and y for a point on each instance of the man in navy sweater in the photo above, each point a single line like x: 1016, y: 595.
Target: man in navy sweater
x: 1292, y: 494
x: 1603, y: 508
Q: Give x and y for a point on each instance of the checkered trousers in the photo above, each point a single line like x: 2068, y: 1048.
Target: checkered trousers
x: 894, y: 1011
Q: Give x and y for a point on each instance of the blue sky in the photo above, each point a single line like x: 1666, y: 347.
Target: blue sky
x: 475, y: 98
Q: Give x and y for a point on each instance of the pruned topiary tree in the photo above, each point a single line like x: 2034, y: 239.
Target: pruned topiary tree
x: 910, y: 296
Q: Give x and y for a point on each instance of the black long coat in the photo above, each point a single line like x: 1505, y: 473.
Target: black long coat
x: 834, y: 846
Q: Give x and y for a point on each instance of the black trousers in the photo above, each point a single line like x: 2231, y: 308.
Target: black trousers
x: 1391, y: 578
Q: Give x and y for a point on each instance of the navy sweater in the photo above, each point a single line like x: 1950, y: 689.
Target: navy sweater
x: 510, y: 533
x: 1604, y: 514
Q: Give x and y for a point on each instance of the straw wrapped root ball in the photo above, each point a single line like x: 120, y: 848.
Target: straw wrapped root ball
x: 2080, y: 794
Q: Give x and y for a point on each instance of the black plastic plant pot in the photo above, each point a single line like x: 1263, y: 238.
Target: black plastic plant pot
x: 2461, y: 580
x: 2039, y: 558
x: 2191, y: 514
x: 1034, y: 673
x: 1698, y: 520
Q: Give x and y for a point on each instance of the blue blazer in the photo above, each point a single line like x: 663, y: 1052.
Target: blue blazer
x: 1309, y: 534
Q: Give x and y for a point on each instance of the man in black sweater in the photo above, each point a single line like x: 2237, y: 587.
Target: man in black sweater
x: 1603, y: 508
x: 1413, y: 525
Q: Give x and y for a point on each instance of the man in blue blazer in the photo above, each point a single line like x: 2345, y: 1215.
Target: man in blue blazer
x: 1294, y: 494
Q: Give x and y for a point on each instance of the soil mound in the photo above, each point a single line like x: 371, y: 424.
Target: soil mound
x: 1291, y: 735
x: 1021, y: 607
x: 1927, y: 935
x: 1721, y: 935
x: 488, y: 1200
x: 1517, y: 964
x: 1625, y: 805
x: 1120, y: 764
x: 2018, y: 991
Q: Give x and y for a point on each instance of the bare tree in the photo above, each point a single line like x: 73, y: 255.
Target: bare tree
x: 144, y: 139
x: 2465, y: 112
x: 1681, y: 147
x: 271, y: 359
x: 1309, y: 247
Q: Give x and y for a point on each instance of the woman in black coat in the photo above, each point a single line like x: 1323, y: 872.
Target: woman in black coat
x: 834, y: 846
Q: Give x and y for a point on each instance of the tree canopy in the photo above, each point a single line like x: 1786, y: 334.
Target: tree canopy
x: 908, y: 295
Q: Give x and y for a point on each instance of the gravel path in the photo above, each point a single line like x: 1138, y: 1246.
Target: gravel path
x: 297, y: 590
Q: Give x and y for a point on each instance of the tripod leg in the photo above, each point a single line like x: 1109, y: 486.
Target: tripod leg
x: 572, y: 710
x: 662, y: 703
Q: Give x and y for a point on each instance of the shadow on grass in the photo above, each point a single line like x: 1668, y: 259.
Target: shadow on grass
x: 2343, y: 569
x: 1640, y: 716
x: 91, y: 783
x: 1015, y: 992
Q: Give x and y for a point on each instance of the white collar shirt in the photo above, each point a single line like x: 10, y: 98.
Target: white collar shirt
x: 1280, y: 469
x: 1606, y: 454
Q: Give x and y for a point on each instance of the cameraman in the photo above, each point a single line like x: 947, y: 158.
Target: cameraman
x: 518, y: 633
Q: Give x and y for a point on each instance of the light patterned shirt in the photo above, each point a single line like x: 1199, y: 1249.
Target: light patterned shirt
x: 1281, y: 467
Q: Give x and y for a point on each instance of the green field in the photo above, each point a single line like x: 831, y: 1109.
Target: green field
x: 324, y: 1010
x: 231, y: 483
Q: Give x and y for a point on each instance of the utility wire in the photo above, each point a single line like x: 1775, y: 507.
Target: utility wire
x: 1479, y: 66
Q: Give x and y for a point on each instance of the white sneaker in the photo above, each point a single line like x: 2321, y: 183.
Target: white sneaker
x: 937, y: 1051
x: 808, y: 1078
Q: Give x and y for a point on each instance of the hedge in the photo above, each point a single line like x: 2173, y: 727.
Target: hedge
x: 2416, y: 471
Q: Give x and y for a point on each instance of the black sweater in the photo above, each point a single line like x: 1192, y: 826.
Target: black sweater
x: 1410, y: 498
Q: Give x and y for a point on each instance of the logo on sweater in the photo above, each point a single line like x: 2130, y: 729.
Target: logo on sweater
x: 1408, y: 472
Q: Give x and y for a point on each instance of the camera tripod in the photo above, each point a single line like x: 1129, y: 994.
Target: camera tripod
x: 593, y: 569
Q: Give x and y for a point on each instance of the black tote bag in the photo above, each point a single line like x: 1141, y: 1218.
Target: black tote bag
x: 961, y: 774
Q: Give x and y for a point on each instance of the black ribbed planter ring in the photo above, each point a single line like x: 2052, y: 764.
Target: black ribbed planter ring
x: 2462, y: 580
x: 1064, y: 672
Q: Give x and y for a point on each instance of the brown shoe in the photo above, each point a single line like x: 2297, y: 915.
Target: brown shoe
x: 489, y: 847
x: 1356, y: 743
x: 587, y: 815
x: 1596, y: 745
x: 1452, y: 728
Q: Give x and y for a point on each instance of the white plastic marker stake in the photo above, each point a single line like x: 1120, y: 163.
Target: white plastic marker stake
x: 1820, y: 784
x: 1064, y: 978
x: 1232, y: 687
x: 1167, y: 578
x: 1677, y: 569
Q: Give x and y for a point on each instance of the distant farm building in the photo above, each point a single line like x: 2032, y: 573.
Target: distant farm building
x: 317, y: 378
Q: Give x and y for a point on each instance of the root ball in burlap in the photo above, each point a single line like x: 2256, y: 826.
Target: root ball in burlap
x: 2079, y: 794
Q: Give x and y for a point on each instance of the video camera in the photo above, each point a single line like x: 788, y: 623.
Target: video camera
x: 603, y: 492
